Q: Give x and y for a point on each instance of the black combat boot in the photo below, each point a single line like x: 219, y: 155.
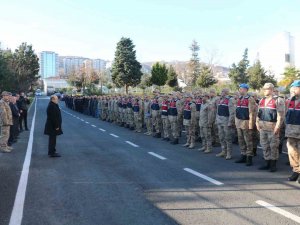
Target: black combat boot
x: 158, y: 135
x: 280, y: 148
x: 294, y: 176
x: 267, y: 166
x: 249, y: 160
x: 254, y: 151
x: 175, y: 141
x: 273, y: 167
x: 242, y: 159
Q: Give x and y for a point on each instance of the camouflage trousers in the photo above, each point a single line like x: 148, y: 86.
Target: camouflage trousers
x: 205, y: 134
x: 214, y: 133
x: 120, y: 116
x: 137, y: 122
x: 190, y: 133
x: 174, y: 126
x: 148, y: 124
x: 4, y: 135
x: 245, y: 141
x: 293, y: 146
x: 255, y: 137
x: 104, y: 114
x: 180, y: 122
x: 165, y: 127
x: 156, y: 120
x: 130, y: 117
x: 270, y: 144
x: 225, y: 135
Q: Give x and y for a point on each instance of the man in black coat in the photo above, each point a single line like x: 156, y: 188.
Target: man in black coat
x: 23, y: 104
x: 14, y: 129
x: 53, y: 125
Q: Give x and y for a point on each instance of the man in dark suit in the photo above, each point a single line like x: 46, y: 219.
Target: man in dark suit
x: 23, y: 104
x: 53, y: 125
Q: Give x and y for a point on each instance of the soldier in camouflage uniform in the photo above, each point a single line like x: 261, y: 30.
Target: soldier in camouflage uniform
x: 245, y: 121
x: 205, y: 124
x: 172, y: 115
x: 269, y: 120
x: 138, y: 115
x: 189, y: 121
x: 292, y: 131
x: 6, y: 121
x: 225, y: 122
x: 164, y: 106
x: 147, y: 115
x: 214, y: 99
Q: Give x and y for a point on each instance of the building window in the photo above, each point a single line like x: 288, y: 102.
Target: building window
x: 287, y: 58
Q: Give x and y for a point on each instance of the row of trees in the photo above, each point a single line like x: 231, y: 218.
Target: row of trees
x: 126, y: 70
x: 19, y: 69
x: 256, y: 76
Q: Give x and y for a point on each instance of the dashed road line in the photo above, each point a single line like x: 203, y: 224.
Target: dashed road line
x: 203, y: 176
x: 87, y: 122
x: 157, y: 155
x: 93, y: 125
x: 102, y: 129
x: 116, y: 136
x: 279, y: 211
x: 132, y: 144
x: 82, y: 120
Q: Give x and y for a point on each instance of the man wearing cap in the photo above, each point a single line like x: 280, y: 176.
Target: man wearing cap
x: 172, y: 115
x: 292, y: 131
x: 137, y: 115
x: 205, y: 124
x: 268, y: 122
x: 245, y: 122
x: 189, y: 121
x: 147, y: 115
x: 214, y: 99
x: 155, y: 114
x: 164, y: 105
x: 225, y: 122
x: 5, y: 121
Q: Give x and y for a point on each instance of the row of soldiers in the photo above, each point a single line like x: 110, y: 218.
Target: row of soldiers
x: 212, y: 119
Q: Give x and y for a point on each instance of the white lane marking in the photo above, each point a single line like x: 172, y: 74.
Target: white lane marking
x: 279, y: 211
x: 116, y: 136
x: 82, y: 120
x: 32, y: 104
x: 93, y: 125
x: 17, y: 212
x: 203, y: 176
x: 157, y: 155
x: 132, y: 144
x: 87, y: 122
x: 102, y: 129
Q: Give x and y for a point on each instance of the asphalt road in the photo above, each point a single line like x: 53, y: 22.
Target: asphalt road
x: 109, y: 175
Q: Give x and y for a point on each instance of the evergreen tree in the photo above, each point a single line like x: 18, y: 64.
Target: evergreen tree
x: 172, y: 77
x: 194, y: 64
x: 159, y: 74
x: 258, y: 76
x: 206, y: 78
x: 238, y: 73
x: 126, y: 70
x: 290, y: 74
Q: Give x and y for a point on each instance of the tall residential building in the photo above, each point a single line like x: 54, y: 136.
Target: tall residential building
x: 278, y: 53
x: 71, y: 63
x: 99, y: 64
x: 48, y: 64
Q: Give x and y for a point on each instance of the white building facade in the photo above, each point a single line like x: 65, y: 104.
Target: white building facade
x: 277, y: 54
